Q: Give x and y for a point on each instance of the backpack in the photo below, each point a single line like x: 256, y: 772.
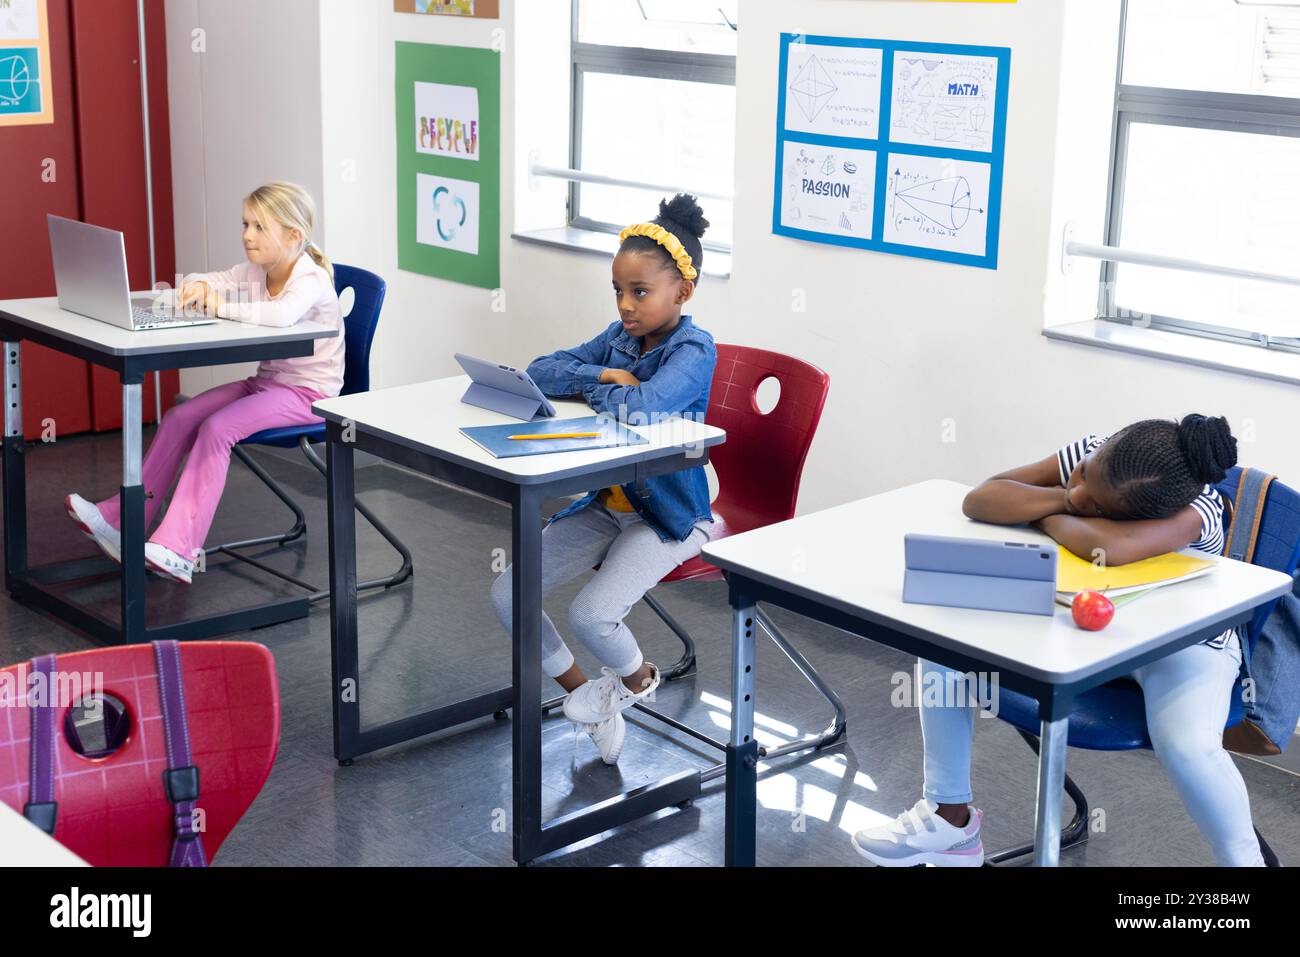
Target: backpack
x: 1271, y: 662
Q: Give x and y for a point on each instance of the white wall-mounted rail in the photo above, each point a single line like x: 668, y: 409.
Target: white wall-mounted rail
x: 1072, y: 248
x: 599, y: 179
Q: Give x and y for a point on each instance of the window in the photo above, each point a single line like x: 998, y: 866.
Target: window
x: 1207, y: 167
x: 654, y: 101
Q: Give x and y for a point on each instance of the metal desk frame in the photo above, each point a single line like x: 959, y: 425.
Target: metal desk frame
x: 533, y: 837
x: 35, y: 586
x: 1055, y: 702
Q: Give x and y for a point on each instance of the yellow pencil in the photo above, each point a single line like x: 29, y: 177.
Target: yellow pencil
x: 560, y: 435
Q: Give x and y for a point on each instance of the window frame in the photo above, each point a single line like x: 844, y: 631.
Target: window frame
x: 1195, y: 109
x: 630, y: 61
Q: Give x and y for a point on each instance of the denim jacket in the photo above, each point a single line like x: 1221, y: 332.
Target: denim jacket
x: 675, y: 377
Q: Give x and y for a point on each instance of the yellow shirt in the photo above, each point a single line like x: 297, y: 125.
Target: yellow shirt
x: 613, y: 498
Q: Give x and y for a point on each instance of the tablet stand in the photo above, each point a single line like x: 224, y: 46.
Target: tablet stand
x: 498, y: 400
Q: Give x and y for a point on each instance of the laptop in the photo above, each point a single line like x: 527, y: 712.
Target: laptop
x: 503, y: 389
x: 91, y: 278
x: 976, y: 573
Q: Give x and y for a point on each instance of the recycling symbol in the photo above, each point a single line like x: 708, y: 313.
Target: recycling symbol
x: 445, y: 206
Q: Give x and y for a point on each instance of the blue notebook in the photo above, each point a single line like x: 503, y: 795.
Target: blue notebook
x: 496, y: 438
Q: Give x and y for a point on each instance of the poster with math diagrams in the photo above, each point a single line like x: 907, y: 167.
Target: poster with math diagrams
x: 892, y: 146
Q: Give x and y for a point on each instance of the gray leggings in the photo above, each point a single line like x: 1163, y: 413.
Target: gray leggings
x: 632, y: 560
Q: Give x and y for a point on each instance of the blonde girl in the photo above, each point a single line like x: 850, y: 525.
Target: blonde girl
x: 285, y: 280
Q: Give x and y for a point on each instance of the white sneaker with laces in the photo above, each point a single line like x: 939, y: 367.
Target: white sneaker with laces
x: 94, y: 526
x: 167, y: 563
x: 608, y: 737
x: 602, y: 698
x: 919, y: 836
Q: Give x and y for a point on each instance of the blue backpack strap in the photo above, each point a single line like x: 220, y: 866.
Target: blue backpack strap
x: 181, y: 779
x: 41, y: 808
x: 1247, y: 513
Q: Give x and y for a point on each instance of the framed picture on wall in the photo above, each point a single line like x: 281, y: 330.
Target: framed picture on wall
x: 485, y: 9
x: 26, y: 97
x: 449, y: 162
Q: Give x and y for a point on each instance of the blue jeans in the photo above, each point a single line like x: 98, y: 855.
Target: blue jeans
x: 1187, y: 696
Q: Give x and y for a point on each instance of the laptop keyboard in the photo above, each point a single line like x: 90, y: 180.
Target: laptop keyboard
x: 154, y: 320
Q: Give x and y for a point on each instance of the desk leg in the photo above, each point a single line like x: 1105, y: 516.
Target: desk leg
x: 1051, y: 784
x: 742, y: 751
x: 15, y: 468
x: 346, y: 693
x: 526, y: 673
x: 132, y: 512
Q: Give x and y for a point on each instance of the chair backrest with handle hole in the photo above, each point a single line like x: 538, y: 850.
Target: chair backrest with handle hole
x: 111, y: 805
x: 760, y: 465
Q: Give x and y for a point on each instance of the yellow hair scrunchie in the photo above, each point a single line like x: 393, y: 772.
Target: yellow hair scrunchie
x: 665, y: 239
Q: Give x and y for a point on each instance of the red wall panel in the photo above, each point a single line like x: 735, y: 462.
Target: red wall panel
x: 40, y: 169
x: 89, y: 165
x: 110, y: 123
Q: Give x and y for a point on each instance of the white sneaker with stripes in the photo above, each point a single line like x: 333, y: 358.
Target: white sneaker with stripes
x: 94, y: 526
x: 920, y: 836
x: 167, y: 563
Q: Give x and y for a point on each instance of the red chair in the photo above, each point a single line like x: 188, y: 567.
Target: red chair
x: 758, y: 469
x: 112, y: 809
x: 761, y: 463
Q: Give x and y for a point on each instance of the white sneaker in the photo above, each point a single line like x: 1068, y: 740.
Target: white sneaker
x: 94, y: 526
x: 602, y: 698
x: 919, y: 836
x: 608, y: 737
x: 167, y: 563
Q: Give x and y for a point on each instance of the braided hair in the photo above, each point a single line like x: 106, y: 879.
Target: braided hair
x: 682, y: 217
x: 1159, y: 466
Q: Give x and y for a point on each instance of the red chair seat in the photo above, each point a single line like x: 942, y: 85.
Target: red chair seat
x: 694, y: 570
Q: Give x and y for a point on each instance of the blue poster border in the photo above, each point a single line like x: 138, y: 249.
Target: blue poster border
x: 882, y: 146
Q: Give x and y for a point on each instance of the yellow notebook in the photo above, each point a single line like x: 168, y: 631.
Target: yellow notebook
x: 1074, y: 574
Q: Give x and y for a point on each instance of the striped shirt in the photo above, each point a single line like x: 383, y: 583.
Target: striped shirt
x: 1209, y: 505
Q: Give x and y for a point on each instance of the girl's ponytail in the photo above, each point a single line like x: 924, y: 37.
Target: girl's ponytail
x: 1208, y: 445
x: 319, y: 258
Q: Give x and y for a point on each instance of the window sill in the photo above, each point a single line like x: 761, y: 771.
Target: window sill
x: 606, y: 244
x: 1176, y: 347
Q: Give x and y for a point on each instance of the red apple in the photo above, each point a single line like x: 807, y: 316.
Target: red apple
x: 1092, y: 610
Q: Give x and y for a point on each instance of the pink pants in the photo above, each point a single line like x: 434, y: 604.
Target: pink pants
x: 206, y: 428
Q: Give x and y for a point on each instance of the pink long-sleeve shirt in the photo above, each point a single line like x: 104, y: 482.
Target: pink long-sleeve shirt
x: 308, y: 296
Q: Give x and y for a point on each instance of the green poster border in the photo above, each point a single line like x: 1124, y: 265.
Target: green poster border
x: 458, y: 66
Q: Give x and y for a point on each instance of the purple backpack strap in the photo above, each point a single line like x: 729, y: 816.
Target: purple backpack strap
x: 41, y: 808
x: 181, y: 779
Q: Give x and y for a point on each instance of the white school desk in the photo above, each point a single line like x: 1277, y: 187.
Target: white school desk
x: 23, y: 844
x: 418, y: 426
x: 132, y: 355
x: 844, y: 567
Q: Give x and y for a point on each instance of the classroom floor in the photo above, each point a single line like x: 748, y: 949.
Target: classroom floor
x: 442, y: 800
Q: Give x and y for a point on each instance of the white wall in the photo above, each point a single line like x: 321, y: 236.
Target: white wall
x: 245, y: 108
x: 912, y: 346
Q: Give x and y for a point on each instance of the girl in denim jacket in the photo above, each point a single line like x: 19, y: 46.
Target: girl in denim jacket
x: 652, y: 363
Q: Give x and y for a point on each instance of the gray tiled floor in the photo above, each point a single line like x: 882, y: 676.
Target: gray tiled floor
x: 445, y: 799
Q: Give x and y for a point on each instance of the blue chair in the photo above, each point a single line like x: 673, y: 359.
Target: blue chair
x: 1112, y: 717
x: 359, y: 332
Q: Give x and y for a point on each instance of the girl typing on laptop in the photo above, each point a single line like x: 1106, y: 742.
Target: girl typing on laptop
x: 285, y: 280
